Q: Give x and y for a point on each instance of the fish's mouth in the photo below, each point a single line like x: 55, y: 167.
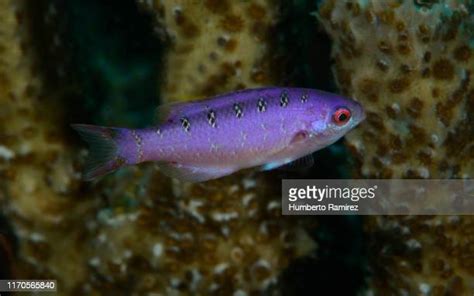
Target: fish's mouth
x: 363, y: 115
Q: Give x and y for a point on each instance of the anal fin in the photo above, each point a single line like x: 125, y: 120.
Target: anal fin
x: 191, y: 173
x: 301, y: 163
x: 304, y: 162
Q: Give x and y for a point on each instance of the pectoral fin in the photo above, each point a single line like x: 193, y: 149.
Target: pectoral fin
x: 191, y: 173
x: 299, y: 137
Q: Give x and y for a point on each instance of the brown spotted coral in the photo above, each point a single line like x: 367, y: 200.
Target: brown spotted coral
x: 216, y: 46
x: 411, y: 67
x: 414, y: 77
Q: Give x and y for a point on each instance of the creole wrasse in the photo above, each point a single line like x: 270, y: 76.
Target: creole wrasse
x: 208, y: 139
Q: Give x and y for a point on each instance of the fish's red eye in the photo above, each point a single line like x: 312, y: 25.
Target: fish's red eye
x: 341, y: 116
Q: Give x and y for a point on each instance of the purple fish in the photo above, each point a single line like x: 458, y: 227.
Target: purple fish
x: 203, y: 140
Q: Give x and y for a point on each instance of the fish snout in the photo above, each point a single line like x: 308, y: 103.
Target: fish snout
x: 359, y: 113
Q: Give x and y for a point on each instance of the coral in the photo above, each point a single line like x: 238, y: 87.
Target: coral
x: 422, y: 255
x: 222, y: 238
x: 36, y: 165
x: 216, y: 46
x: 136, y: 231
x: 415, y: 82
x: 411, y: 67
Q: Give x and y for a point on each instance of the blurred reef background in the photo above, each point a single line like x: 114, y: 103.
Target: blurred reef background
x: 137, y: 231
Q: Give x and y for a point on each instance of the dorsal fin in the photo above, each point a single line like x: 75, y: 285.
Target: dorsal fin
x: 172, y: 111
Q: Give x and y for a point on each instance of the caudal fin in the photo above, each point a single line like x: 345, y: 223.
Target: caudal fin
x: 103, y: 150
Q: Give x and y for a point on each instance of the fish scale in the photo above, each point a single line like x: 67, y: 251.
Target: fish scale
x: 198, y: 141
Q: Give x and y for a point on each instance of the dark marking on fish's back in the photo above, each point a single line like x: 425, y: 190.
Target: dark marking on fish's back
x: 185, y: 124
x: 211, y: 118
x: 261, y: 105
x: 304, y: 96
x: 284, y: 99
x: 239, y: 112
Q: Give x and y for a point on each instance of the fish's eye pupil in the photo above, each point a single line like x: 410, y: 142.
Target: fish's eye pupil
x: 342, y: 117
